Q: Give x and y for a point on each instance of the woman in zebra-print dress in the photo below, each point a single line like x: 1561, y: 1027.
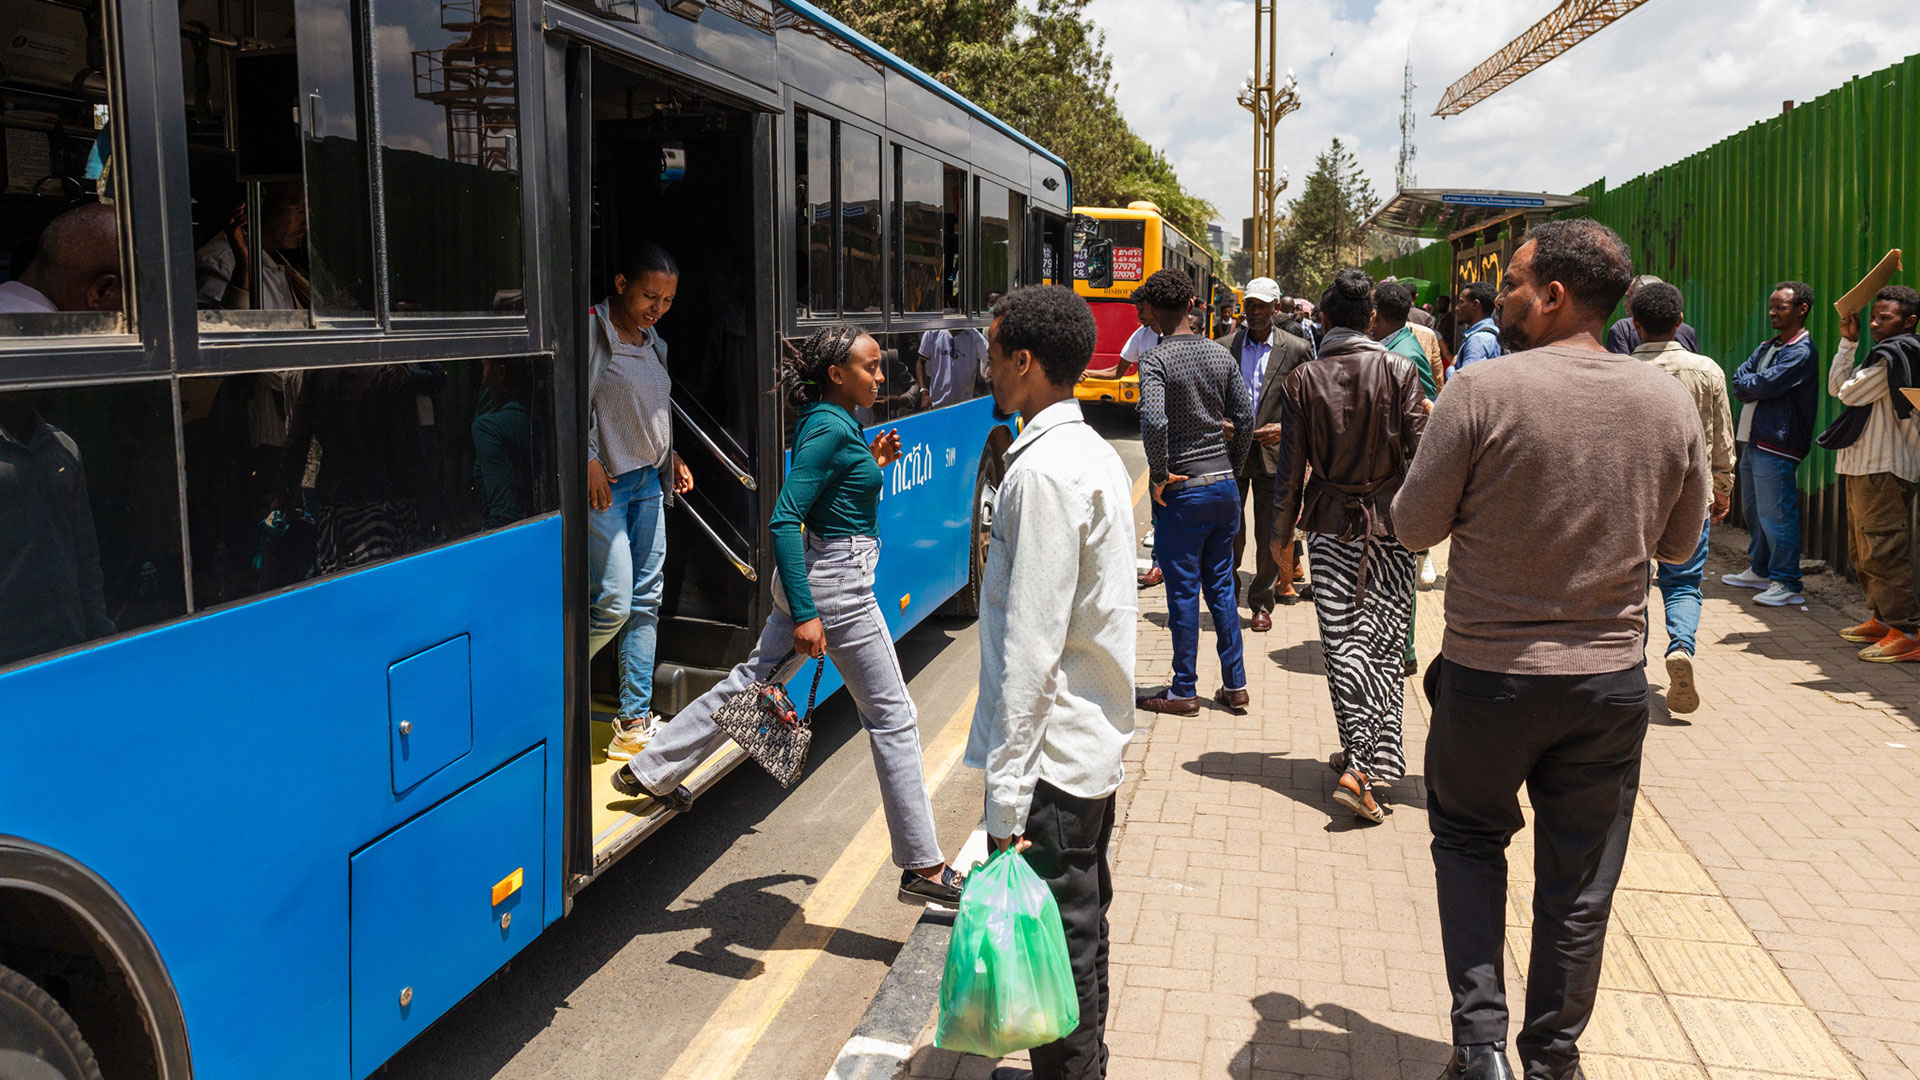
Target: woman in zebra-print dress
x: 1354, y: 413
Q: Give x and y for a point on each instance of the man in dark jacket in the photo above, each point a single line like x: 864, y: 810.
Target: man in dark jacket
x: 1623, y: 337
x: 1266, y: 354
x: 1777, y: 391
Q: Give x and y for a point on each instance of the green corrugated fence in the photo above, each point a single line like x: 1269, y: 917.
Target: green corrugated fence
x: 1816, y: 194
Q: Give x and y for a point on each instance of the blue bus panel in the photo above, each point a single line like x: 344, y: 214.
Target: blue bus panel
x: 220, y: 773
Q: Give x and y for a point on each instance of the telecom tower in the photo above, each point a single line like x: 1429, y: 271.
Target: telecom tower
x: 1403, y: 172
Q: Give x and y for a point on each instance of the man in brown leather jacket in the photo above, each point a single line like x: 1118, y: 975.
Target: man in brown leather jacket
x: 1354, y: 413
x: 1266, y: 355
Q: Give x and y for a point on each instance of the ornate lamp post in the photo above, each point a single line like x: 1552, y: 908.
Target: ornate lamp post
x: 1269, y: 100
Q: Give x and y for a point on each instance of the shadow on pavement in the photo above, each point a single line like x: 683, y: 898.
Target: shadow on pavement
x: 1293, y: 1038
x: 1307, y: 781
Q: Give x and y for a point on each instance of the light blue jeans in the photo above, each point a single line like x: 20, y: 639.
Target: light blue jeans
x: 840, y: 574
x: 626, y: 551
x: 1680, y: 594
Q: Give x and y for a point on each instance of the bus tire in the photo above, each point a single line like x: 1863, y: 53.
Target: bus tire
x: 966, y: 603
x: 38, y: 1040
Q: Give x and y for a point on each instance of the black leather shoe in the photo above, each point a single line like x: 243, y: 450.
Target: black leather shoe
x: 944, y: 889
x: 624, y: 782
x: 1481, y: 1061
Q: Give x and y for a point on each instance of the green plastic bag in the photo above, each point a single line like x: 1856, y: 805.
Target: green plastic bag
x: 1008, y: 984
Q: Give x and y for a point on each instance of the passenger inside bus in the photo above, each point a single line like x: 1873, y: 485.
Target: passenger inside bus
x: 74, y: 265
x: 52, y: 592
x: 952, y: 365
x: 224, y: 264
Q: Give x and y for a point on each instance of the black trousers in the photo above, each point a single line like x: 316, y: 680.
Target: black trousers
x: 1069, y: 852
x: 1574, y: 741
x: 1266, y: 574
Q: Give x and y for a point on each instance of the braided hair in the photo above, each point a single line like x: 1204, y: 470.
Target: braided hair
x: 803, y: 372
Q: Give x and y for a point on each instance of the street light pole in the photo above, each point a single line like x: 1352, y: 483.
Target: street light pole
x: 1270, y: 100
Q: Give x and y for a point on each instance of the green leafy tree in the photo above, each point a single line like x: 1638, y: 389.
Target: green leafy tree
x: 1044, y: 70
x: 1326, y: 226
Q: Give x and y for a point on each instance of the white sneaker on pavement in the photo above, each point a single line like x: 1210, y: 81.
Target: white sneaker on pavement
x: 1427, y: 574
x: 1682, y: 695
x: 1778, y: 595
x: 1747, y: 579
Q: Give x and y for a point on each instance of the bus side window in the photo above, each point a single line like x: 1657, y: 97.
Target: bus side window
x: 814, y: 200
x: 277, y: 165
x: 89, y: 515
x: 371, y: 463
x: 450, y: 157
x: 62, y: 240
x: 917, y: 206
x: 993, y: 243
x: 860, y: 220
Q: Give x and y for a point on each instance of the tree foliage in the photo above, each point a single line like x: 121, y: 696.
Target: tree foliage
x: 1042, y: 68
x: 1326, y: 224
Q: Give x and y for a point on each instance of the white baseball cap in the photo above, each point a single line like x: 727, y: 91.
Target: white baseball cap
x: 1263, y: 288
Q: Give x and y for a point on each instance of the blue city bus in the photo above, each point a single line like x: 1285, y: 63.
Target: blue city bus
x: 301, y: 737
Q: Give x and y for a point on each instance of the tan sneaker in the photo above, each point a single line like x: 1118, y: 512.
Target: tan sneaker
x: 1895, y: 648
x: 1682, y: 695
x: 630, y: 737
x: 1867, y: 633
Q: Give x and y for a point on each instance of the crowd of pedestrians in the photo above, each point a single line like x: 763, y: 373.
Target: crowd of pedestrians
x: 1356, y: 426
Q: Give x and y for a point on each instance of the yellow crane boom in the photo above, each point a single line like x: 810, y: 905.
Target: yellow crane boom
x: 1564, y: 27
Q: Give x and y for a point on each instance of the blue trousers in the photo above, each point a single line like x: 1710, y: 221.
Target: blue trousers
x: 1771, y: 506
x: 1194, y: 540
x: 1680, y: 594
x: 626, y: 553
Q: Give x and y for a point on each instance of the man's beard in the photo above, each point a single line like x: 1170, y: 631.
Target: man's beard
x: 1000, y: 415
x: 1512, y: 339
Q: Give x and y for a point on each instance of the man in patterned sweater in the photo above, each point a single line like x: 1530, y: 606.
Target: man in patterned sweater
x: 1196, y: 419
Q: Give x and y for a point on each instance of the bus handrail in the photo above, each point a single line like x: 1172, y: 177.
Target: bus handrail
x: 740, y: 474
x: 740, y: 564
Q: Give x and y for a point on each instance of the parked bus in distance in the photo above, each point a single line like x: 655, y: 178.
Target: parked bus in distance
x: 1114, y: 251
x: 295, y: 479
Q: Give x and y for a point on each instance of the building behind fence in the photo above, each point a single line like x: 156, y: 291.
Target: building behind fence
x: 1816, y: 194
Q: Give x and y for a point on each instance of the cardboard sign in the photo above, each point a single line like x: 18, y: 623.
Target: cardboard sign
x: 1862, y: 294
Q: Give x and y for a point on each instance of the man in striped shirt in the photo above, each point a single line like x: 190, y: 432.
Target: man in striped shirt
x: 1881, y: 468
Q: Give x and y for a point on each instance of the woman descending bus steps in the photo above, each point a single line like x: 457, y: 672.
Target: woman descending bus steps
x: 824, y: 606
x: 629, y: 445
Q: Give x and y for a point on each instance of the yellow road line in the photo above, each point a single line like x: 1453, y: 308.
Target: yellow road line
x: 735, y: 1028
x: 1140, y: 488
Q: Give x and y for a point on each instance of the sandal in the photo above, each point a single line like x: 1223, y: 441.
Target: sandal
x: 1358, y: 798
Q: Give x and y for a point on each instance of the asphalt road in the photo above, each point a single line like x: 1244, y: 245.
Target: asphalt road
x: 650, y: 958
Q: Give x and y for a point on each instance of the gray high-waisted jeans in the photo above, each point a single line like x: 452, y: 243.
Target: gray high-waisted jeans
x: 840, y: 573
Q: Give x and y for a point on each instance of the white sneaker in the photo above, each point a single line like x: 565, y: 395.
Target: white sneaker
x: 632, y: 736
x: 1427, y: 573
x: 1682, y: 695
x: 1747, y: 579
x: 1778, y: 595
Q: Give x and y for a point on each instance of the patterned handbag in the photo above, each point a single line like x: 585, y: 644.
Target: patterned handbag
x: 763, y: 721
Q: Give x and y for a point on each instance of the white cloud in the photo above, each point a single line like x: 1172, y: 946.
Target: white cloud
x: 1667, y: 81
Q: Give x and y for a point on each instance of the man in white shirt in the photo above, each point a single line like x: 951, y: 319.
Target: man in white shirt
x: 951, y: 361
x: 1881, y: 468
x: 1057, y: 624
x: 75, y: 266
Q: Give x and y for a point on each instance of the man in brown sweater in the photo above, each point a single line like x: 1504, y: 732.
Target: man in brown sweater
x: 1561, y: 471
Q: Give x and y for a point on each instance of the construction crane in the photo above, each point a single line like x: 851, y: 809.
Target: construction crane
x: 1564, y: 27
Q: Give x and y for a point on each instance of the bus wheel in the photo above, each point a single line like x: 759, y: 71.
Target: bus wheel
x: 966, y: 602
x: 38, y: 1040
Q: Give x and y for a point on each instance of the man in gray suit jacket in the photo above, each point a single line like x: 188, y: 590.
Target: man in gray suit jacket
x: 1265, y: 353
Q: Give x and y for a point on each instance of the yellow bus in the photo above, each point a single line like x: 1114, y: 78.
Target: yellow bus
x: 1113, y: 252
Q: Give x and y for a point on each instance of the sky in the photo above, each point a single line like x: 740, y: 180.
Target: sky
x: 1670, y: 79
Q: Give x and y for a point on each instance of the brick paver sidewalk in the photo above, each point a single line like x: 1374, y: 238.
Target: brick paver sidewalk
x: 1765, y: 927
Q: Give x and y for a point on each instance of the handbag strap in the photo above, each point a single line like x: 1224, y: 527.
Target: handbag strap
x: 819, y: 667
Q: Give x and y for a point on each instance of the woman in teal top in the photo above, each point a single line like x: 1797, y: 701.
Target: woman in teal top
x: 824, y: 606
